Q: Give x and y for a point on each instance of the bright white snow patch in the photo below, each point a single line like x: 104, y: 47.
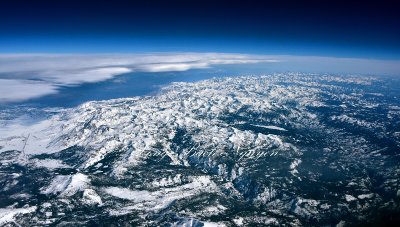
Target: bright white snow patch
x: 67, y: 185
x: 271, y: 127
x: 50, y: 163
x: 7, y: 215
x: 32, y: 139
x: 350, y: 198
x: 157, y: 200
x: 91, y: 197
x: 213, y: 224
x: 238, y: 221
x: 366, y: 196
x: 294, y: 165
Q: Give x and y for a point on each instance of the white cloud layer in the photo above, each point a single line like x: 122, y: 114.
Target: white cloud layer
x: 83, y: 76
x: 27, y: 76
x: 18, y: 90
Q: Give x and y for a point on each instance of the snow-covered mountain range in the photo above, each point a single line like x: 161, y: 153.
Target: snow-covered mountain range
x: 280, y: 149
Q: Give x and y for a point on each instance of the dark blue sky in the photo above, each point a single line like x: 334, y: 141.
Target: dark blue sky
x: 338, y: 28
